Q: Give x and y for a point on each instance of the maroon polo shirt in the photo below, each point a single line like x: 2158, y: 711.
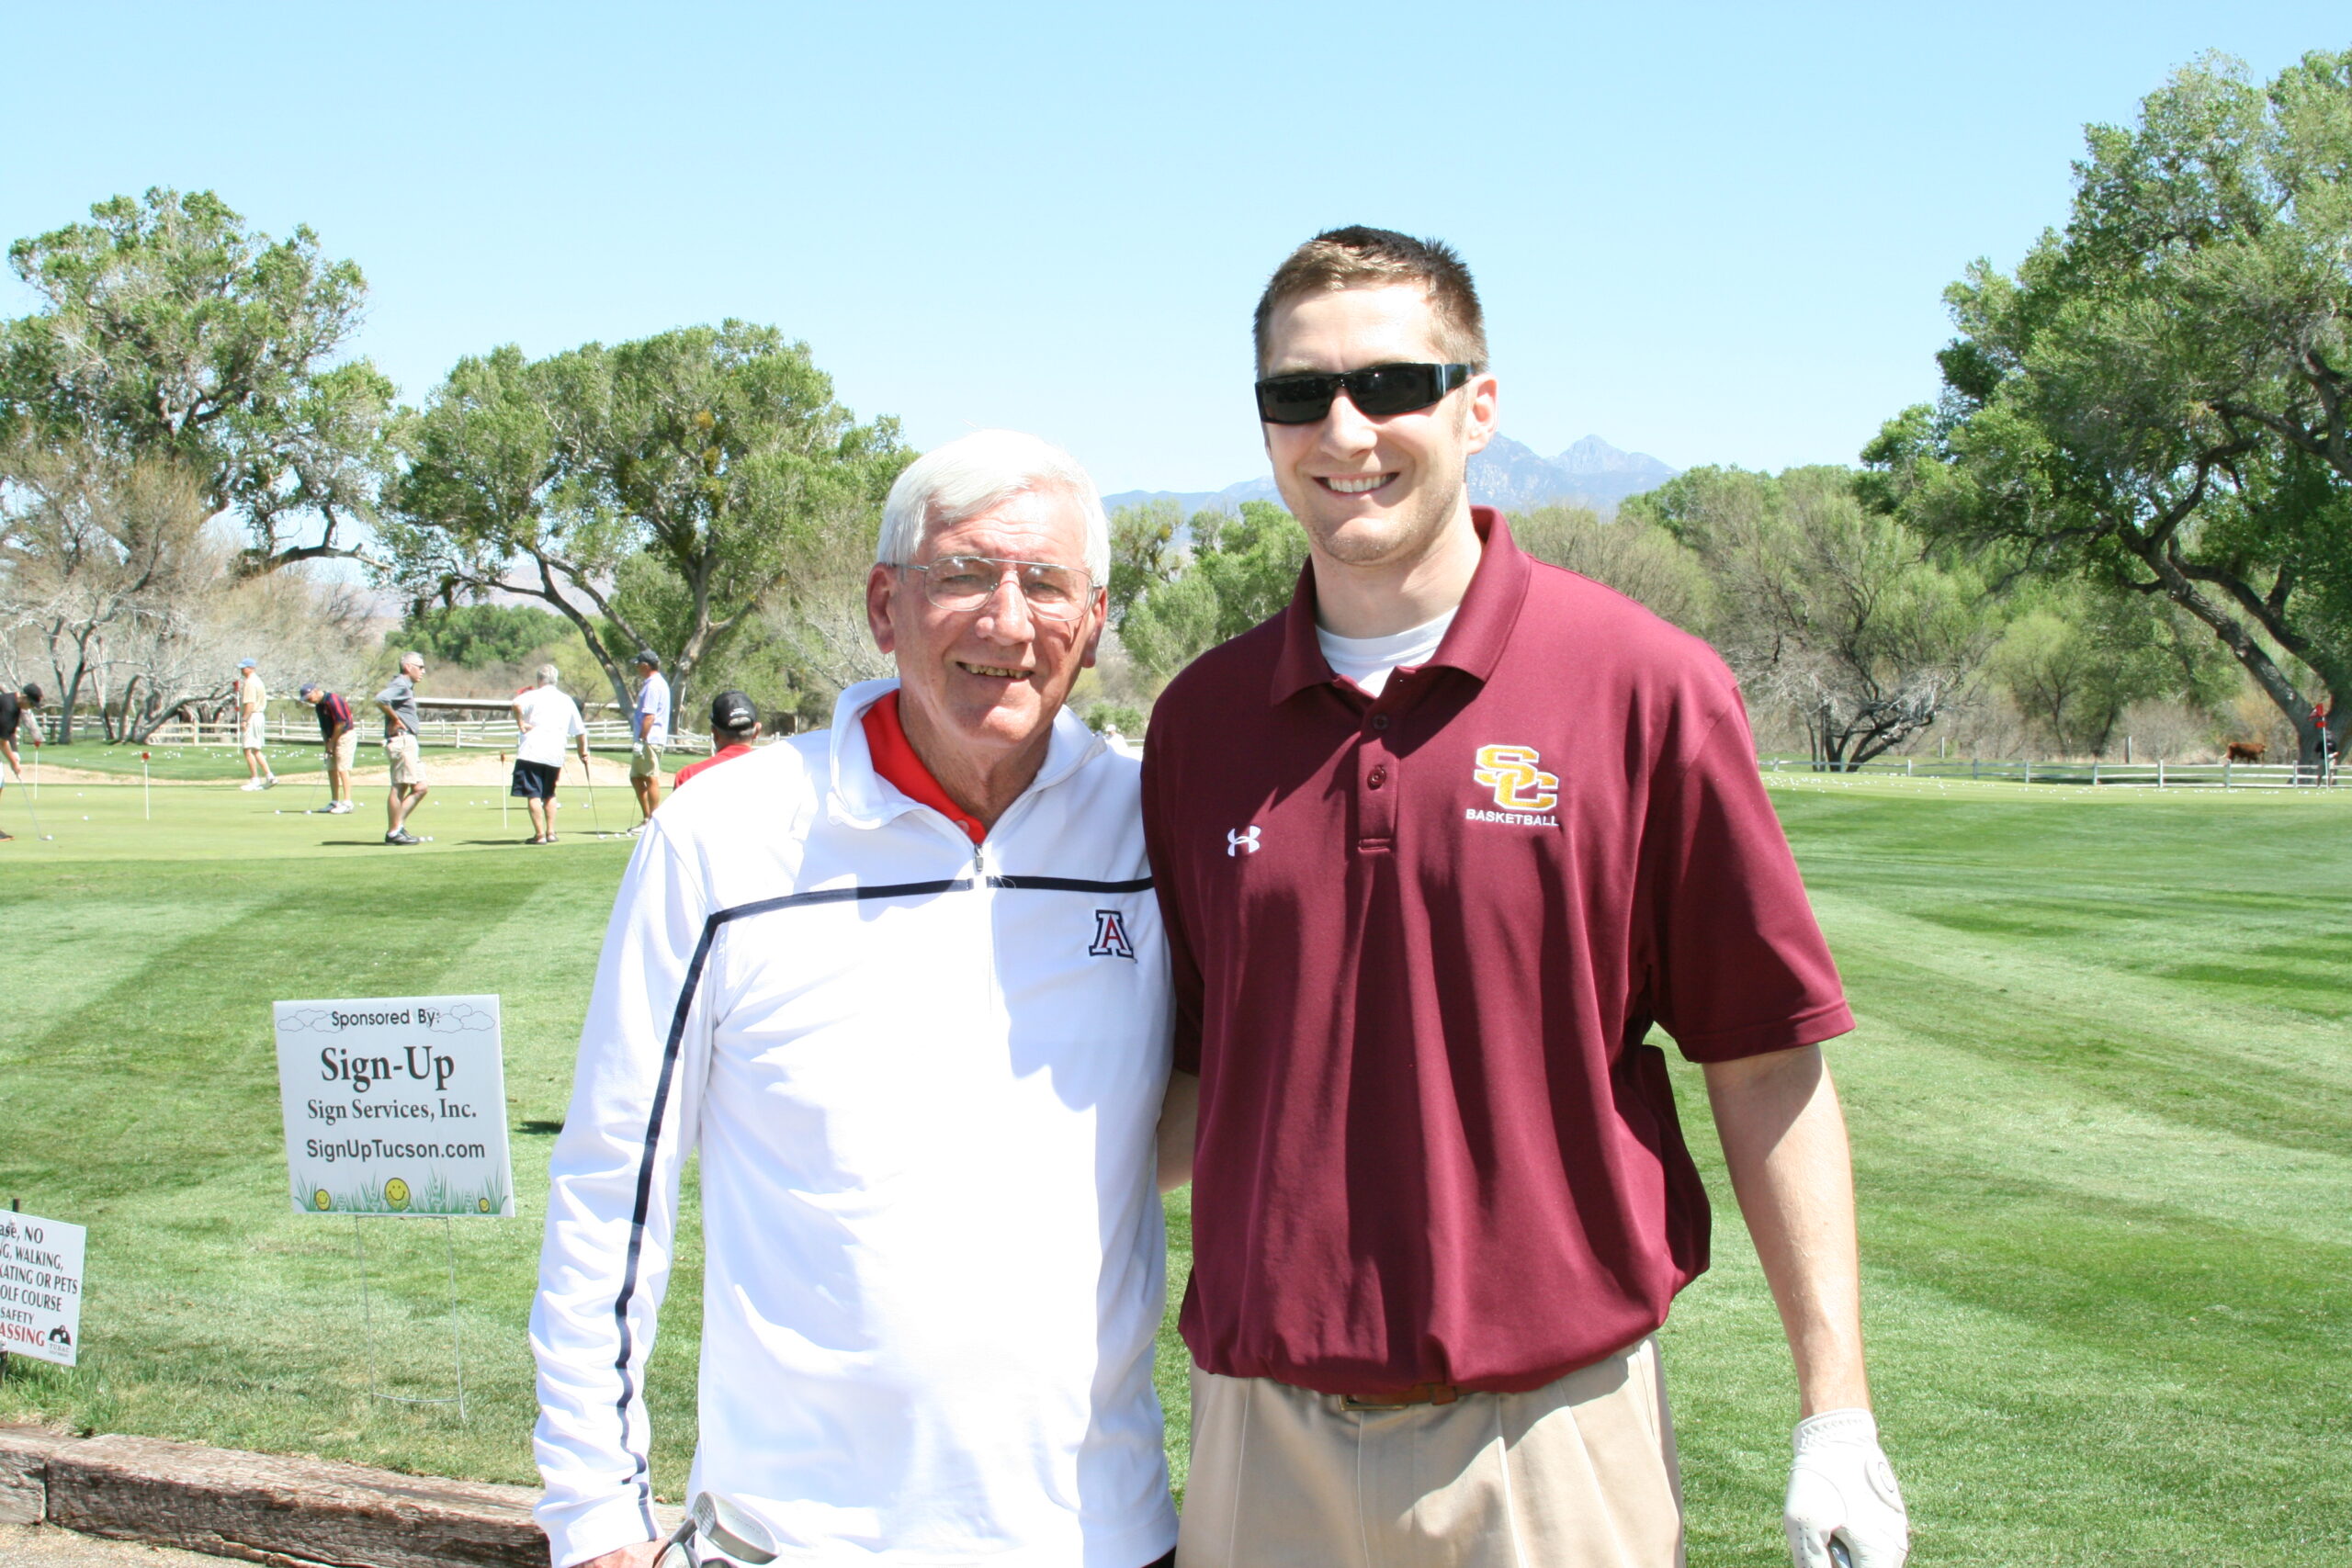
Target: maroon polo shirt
x: 1417, y: 943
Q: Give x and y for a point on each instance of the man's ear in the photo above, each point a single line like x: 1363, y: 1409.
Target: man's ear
x: 1094, y: 638
x: 1480, y: 415
x: 878, y: 583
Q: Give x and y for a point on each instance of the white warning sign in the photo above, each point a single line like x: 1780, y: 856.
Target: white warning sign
x: 41, y: 1288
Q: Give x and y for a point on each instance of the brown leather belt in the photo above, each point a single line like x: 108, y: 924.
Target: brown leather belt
x: 1419, y: 1394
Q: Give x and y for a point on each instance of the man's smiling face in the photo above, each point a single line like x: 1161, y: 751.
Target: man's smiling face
x: 988, y: 683
x: 1371, y: 491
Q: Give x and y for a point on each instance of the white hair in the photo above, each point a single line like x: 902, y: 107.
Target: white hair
x: 548, y: 674
x: 952, y: 483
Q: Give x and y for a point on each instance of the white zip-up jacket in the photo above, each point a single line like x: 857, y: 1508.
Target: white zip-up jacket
x: 924, y: 1079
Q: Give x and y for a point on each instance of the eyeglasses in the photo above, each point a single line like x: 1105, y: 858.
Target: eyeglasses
x: 1377, y: 391
x: 966, y: 582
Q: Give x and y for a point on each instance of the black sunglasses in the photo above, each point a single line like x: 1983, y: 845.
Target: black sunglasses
x: 1377, y: 391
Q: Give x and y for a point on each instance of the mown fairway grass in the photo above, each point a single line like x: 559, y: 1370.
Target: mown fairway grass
x: 175, y: 764
x: 2102, y: 1100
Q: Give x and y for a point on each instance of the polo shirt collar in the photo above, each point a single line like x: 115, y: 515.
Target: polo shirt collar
x: 860, y: 797
x: 1473, y: 644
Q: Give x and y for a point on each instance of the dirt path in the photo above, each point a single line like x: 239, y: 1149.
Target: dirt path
x: 46, y: 1546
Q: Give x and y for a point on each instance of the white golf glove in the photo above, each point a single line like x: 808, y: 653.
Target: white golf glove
x: 1842, y: 1483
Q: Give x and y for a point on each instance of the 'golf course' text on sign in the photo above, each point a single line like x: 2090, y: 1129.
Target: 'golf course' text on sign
x: 41, y: 1288
x: 395, y: 1105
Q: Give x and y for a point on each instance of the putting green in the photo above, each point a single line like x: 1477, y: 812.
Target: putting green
x: 187, y: 822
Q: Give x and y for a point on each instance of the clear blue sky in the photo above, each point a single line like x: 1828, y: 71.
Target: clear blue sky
x: 1717, y: 234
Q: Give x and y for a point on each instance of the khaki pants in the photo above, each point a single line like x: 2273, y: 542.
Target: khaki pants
x: 400, y: 751
x: 1578, y: 1474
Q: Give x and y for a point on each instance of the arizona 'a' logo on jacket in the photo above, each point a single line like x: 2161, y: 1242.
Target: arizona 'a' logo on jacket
x: 1111, y: 936
x: 1519, y: 784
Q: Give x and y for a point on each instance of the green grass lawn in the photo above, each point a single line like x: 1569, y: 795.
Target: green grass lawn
x: 175, y: 763
x: 2101, y: 1095
x: 290, y: 759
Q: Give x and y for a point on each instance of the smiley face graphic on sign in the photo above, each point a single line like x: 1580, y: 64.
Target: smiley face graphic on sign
x: 1519, y: 784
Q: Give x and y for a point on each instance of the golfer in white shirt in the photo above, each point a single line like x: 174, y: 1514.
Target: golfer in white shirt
x: 545, y: 718
x: 902, y: 983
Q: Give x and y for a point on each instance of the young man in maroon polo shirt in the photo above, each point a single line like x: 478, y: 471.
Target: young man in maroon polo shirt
x: 1436, y: 848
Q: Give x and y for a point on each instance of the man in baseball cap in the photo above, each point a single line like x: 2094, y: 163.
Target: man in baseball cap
x: 252, y: 701
x: 15, y: 706
x: 734, y: 725
x: 650, y: 731
x: 339, y: 738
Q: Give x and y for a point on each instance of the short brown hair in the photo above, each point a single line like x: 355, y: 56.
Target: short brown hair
x: 1358, y: 257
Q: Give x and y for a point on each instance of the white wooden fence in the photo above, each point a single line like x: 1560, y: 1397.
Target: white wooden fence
x: 466, y: 734
x: 2146, y: 775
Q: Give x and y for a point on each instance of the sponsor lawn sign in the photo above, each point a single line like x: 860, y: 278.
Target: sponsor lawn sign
x: 395, y: 1105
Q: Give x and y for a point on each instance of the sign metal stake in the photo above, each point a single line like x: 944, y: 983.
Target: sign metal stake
x: 367, y: 1319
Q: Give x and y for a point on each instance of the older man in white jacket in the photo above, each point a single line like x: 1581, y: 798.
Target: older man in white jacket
x: 902, y: 983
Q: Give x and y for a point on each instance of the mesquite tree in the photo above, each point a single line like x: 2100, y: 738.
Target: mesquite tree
x: 172, y: 333
x: 2160, y: 397
x: 710, y: 457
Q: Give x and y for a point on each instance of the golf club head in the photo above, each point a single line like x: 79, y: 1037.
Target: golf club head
x: 1838, y: 1555
x: 731, y: 1530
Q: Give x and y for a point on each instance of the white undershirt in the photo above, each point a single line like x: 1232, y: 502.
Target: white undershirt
x: 1370, y: 660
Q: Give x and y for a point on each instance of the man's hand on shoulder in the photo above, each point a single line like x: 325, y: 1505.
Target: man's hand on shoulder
x: 640, y: 1555
x: 1842, y: 1483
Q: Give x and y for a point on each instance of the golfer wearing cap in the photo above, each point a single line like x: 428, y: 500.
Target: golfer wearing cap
x: 650, y: 731
x: 546, y: 717
x: 339, y: 737
x: 13, y: 707
x: 734, y: 725
x: 252, y: 698
x: 901, y: 982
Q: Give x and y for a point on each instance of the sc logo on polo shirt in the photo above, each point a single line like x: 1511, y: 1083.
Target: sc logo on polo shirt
x: 1518, y: 783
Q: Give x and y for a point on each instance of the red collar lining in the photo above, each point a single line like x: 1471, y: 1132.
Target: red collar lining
x: 896, y: 762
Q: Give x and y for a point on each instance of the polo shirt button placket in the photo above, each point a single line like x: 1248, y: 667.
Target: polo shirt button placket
x: 1376, y: 801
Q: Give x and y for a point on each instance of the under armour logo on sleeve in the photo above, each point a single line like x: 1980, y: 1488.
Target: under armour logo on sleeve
x: 1239, y: 840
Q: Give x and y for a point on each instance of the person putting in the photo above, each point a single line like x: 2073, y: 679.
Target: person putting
x: 14, y: 706
x: 339, y: 736
x: 546, y: 718
x: 734, y: 725
x: 397, y: 703
x: 252, y: 701
x: 649, y: 732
